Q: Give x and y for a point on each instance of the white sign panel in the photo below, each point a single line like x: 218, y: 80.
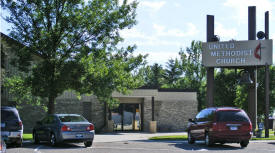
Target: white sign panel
x: 237, y: 53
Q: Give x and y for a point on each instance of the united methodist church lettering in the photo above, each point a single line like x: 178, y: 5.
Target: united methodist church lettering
x: 237, y: 53
x: 231, y: 57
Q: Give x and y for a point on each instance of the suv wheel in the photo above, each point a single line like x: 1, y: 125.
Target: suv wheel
x: 35, y: 138
x: 208, y: 140
x: 190, y: 139
x: 244, y: 143
x: 88, y: 143
x: 52, y: 140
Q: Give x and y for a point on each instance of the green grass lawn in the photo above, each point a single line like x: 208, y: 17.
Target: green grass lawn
x: 271, y: 136
x: 27, y: 136
x: 184, y: 137
x: 169, y: 137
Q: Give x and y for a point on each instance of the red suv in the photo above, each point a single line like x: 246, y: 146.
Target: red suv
x: 220, y: 125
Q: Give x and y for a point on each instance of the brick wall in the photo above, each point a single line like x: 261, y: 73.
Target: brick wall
x: 172, y: 110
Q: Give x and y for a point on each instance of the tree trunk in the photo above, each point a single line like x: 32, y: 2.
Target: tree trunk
x: 51, y: 106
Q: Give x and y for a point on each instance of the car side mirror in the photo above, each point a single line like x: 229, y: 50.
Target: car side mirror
x: 190, y: 120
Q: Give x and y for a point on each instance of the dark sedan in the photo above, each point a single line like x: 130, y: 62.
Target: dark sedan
x: 58, y: 128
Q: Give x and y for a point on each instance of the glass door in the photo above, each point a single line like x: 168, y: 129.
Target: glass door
x: 127, y: 117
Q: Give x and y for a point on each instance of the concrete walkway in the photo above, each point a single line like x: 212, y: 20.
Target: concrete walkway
x: 126, y: 136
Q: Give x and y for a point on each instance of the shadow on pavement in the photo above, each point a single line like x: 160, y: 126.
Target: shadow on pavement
x: 46, y: 145
x: 28, y: 144
x: 196, y: 146
x: 201, y: 146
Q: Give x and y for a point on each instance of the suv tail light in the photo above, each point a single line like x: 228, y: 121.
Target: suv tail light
x: 250, y: 126
x: 215, y: 127
x: 90, y: 127
x: 65, y: 128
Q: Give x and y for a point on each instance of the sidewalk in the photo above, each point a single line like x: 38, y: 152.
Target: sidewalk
x: 126, y: 136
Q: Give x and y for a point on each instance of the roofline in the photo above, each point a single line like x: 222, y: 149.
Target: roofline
x: 169, y: 89
x: 4, y: 36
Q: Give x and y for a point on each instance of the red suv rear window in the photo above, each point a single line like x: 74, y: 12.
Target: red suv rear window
x: 233, y: 116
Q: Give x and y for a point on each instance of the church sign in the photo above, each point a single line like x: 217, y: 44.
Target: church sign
x: 237, y: 53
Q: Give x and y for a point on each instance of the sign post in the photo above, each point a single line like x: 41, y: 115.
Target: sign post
x: 248, y: 55
x: 210, y: 70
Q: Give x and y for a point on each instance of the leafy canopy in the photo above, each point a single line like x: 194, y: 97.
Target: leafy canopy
x: 77, y: 42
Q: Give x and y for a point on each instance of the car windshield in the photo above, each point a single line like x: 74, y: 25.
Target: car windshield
x: 72, y: 119
x: 8, y: 115
x: 235, y: 116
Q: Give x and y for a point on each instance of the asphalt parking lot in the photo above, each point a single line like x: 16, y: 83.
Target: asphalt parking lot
x: 139, y: 143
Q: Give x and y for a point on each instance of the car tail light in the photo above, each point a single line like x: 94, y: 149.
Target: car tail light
x: 65, y: 128
x: 90, y: 127
x: 250, y: 127
x: 20, y: 124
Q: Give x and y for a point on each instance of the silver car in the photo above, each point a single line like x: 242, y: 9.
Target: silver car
x: 58, y: 128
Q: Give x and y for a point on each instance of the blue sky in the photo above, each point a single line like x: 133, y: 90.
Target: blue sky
x: 165, y: 26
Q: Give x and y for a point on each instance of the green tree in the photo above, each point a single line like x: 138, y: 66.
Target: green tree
x: 172, y: 73
x: 241, y: 99
x: 261, y: 90
x: 154, y: 76
x: 21, y: 92
x: 73, y: 38
x: 193, y: 71
x: 225, y: 87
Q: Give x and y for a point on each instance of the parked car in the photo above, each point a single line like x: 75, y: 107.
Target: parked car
x: 59, y: 128
x: 11, y: 126
x: 220, y: 125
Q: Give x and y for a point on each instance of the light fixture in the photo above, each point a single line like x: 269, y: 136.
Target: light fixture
x: 215, y: 38
x: 245, y: 78
x: 261, y: 35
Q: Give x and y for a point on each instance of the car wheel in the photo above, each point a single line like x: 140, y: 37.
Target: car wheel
x: 19, y: 143
x: 88, y: 143
x: 52, y: 140
x: 244, y: 143
x: 190, y: 139
x: 208, y: 140
x: 35, y: 138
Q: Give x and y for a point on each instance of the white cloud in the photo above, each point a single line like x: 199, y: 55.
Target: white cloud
x: 134, y: 36
x: 162, y: 56
x: 154, y: 6
x: 133, y: 33
x: 120, y: 2
x: 225, y: 33
x: 177, y: 4
x: 241, y: 8
x: 162, y: 31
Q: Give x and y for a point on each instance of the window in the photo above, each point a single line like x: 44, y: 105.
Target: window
x: 8, y: 115
x: 235, y: 116
x: 51, y: 120
x: 72, y: 119
x: 205, y: 115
